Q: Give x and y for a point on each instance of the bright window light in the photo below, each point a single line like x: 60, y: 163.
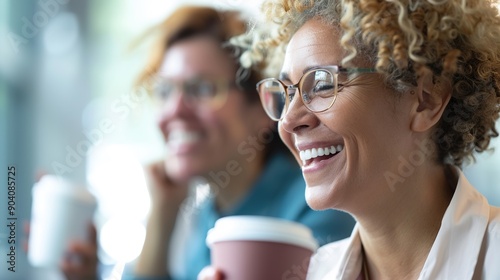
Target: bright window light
x: 122, y: 239
x: 115, y: 174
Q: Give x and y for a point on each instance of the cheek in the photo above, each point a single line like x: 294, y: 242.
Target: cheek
x: 364, y: 114
x: 233, y: 122
x: 373, y: 129
x: 349, y: 117
x: 224, y: 116
x: 210, y: 120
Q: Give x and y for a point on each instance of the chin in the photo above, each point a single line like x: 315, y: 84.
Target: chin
x: 316, y: 199
x: 323, y: 197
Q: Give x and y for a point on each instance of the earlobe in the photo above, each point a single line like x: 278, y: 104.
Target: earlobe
x: 431, y: 99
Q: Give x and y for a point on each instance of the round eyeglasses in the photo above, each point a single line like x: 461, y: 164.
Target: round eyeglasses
x: 318, y: 88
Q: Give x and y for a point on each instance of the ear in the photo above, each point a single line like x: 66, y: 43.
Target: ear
x: 431, y: 99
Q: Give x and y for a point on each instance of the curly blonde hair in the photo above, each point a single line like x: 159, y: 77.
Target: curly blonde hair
x: 455, y: 40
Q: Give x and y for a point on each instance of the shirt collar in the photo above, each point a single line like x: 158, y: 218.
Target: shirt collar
x: 338, y: 262
x: 458, y: 243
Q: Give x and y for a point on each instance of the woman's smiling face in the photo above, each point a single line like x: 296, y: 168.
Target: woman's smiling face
x: 201, y: 139
x: 367, y: 122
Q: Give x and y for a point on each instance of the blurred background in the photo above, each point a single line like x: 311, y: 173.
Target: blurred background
x: 67, y: 107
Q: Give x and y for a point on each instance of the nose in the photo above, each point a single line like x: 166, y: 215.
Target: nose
x: 298, y: 118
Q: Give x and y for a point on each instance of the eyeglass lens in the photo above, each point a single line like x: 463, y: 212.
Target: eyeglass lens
x: 317, y: 88
x: 195, y: 90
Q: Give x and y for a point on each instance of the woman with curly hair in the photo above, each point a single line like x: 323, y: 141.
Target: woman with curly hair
x: 381, y: 102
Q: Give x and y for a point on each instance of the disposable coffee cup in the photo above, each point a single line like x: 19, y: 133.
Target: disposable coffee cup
x: 264, y: 248
x: 61, y: 213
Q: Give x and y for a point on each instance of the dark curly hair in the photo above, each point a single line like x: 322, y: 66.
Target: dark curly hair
x: 455, y: 40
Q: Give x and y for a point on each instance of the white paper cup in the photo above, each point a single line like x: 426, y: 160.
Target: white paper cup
x: 256, y: 247
x: 61, y: 213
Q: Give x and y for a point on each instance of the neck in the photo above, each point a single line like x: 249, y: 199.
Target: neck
x: 409, y: 222
x: 233, y: 183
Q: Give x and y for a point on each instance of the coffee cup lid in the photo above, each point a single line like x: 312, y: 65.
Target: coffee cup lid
x: 259, y: 228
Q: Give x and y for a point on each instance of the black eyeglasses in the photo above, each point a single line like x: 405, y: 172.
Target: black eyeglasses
x: 318, y: 88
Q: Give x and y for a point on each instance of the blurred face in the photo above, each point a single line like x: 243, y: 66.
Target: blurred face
x: 202, y: 136
x: 366, y: 126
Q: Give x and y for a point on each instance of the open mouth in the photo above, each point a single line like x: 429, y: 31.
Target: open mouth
x: 318, y: 154
x: 179, y: 137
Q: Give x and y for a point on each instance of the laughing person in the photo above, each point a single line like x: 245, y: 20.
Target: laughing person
x: 381, y: 103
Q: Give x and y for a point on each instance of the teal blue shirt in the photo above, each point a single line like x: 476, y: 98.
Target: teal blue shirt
x: 279, y: 192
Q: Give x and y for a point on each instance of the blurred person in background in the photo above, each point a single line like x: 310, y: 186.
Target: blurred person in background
x: 215, y: 128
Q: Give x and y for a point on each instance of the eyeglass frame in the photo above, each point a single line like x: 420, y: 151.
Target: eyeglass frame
x: 221, y: 90
x: 298, y: 86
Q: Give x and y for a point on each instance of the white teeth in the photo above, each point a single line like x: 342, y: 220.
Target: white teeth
x: 332, y: 150
x: 316, y: 152
x: 307, y: 154
x: 179, y: 137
